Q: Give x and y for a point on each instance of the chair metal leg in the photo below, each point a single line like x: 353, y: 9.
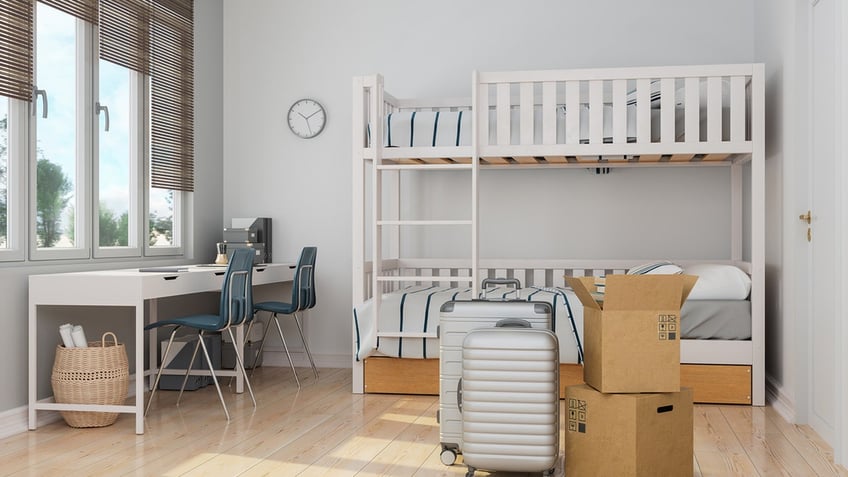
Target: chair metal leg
x: 159, y: 373
x: 188, y: 368
x: 240, y: 364
x: 261, y: 347
x: 214, y: 378
x: 286, y: 347
x: 305, y: 345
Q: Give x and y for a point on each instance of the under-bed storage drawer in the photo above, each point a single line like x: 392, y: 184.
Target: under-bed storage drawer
x: 401, y: 376
x: 711, y: 383
x: 718, y: 383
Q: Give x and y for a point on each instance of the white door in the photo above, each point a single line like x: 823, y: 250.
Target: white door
x: 824, y: 376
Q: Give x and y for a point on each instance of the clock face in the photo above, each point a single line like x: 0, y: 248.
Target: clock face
x: 307, y: 118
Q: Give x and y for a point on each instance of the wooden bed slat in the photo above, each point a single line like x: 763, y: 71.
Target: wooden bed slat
x: 502, y: 106
x: 714, y: 109
x: 526, y: 110
x: 619, y: 111
x: 643, y: 110
x: 668, y: 133
x: 737, y: 108
x: 596, y: 112
x: 572, y: 112
x: 692, y: 110
x: 549, y: 113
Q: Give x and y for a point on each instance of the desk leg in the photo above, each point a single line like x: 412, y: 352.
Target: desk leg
x: 33, y: 366
x: 139, y: 367
x: 152, y: 346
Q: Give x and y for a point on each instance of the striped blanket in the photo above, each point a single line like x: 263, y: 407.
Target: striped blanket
x: 416, y: 309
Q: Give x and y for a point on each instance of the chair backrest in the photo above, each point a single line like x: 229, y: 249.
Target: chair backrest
x: 303, y: 287
x: 237, y: 290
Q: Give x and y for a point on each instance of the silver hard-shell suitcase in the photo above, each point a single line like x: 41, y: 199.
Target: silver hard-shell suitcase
x: 509, y: 400
x: 456, y: 319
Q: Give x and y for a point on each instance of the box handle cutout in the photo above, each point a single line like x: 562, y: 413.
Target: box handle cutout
x: 663, y: 409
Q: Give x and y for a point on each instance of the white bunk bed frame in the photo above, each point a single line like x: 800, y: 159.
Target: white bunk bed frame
x: 499, y: 93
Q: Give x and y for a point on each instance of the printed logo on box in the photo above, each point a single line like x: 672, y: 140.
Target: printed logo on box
x: 666, y: 327
x: 576, y: 415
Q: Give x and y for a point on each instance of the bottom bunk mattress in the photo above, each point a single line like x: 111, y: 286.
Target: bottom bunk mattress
x: 416, y: 309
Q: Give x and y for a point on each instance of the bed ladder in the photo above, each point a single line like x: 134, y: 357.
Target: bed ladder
x: 380, y: 223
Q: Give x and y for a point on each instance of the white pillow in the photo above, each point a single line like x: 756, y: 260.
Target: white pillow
x: 719, y: 282
x: 656, y: 268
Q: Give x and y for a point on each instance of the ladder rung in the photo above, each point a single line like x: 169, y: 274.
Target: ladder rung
x: 392, y: 278
x: 423, y: 222
x: 405, y: 334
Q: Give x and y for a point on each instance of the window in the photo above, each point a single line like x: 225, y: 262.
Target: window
x: 58, y: 146
x: 83, y: 86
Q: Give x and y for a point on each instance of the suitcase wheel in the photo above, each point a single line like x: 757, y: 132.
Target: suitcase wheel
x: 470, y: 472
x: 448, y: 456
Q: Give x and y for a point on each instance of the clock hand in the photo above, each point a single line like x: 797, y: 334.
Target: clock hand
x: 313, y: 114
x: 301, y: 115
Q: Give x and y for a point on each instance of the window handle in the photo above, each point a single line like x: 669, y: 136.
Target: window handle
x: 35, y: 94
x: 97, y: 108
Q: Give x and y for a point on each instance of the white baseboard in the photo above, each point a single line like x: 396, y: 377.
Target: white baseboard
x: 277, y: 357
x: 16, y: 421
x: 780, y: 402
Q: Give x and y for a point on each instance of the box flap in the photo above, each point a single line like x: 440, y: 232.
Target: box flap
x: 647, y: 292
x: 583, y: 286
x: 688, y: 285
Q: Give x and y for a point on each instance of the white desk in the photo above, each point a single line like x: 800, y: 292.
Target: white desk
x: 127, y: 288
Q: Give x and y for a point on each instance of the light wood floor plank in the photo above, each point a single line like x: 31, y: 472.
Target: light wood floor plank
x: 767, y: 447
x: 817, y: 453
x: 323, y: 429
x: 717, y: 450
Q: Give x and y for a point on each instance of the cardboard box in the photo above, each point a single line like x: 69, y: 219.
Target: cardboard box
x: 631, y: 332
x: 628, y: 435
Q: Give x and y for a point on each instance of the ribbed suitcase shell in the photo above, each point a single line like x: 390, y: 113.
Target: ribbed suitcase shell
x: 510, y: 400
x: 456, y: 319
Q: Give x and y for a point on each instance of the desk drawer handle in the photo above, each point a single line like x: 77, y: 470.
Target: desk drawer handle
x: 218, y: 274
x: 170, y: 278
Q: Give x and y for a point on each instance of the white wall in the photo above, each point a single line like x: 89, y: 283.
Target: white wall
x: 206, y: 229
x: 779, y: 29
x: 278, y: 51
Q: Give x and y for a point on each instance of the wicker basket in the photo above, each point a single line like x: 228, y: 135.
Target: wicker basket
x: 98, y: 374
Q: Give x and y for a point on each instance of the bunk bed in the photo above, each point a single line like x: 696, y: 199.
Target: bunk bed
x: 680, y: 116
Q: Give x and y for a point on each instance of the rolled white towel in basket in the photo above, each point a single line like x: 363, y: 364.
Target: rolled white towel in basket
x: 79, y: 337
x: 65, y: 331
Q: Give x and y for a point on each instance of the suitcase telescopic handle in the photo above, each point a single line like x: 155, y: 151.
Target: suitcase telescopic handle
x: 500, y: 281
x: 512, y: 323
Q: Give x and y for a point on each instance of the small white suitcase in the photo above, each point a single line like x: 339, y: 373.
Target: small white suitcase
x: 509, y: 400
x: 456, y: 319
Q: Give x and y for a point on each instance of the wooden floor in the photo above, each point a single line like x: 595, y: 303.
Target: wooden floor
x: 326, y: 430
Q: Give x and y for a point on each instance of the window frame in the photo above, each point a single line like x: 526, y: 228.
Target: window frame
x: 22, y: 236
x: 136, y: 171
x: 82, y: 180
x: 16, y: 177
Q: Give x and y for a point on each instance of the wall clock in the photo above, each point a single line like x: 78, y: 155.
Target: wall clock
x: 307, y: 118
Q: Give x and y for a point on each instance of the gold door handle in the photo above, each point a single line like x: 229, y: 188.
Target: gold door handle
x: 806, y: 217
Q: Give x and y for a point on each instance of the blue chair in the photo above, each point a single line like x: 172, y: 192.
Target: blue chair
x: 236, y: 307
x: 303, y: 298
